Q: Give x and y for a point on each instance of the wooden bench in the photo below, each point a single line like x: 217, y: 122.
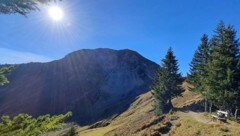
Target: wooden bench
x: 221, y: 116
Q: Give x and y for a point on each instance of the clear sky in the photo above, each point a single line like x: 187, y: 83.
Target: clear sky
x: 147, y: 26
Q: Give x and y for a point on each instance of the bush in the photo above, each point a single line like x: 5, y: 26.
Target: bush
x: 26, y: 125
x: 3, y: 72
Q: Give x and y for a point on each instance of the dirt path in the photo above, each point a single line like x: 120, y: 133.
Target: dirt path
x: 198, y: 116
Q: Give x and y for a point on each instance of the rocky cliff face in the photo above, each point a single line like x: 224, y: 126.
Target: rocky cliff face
x: 93, y: 84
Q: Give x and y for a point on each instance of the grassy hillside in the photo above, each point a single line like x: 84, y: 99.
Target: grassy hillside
x: 189, y: 126
x: 139, y: 120
x: 140, y: 109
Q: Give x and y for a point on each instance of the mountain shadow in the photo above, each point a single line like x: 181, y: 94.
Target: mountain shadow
x: 93, y: 84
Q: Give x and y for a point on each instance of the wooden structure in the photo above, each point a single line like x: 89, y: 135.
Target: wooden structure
x: 221, y: 116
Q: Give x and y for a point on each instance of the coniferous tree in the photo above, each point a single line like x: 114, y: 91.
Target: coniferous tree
x: 222, y: 81
x: 20, y: 6
x: 198, y: 63
x: 159, y: 91
x: 197, y: 67
x: 166, y: 84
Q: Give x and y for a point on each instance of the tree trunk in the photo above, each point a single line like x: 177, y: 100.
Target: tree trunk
x: 210, y: 107
x: 236, y: 111
x: 170, y: 104
x: 206, y: 105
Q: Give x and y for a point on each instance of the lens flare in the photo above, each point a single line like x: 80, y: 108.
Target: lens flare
x: 56, y: 13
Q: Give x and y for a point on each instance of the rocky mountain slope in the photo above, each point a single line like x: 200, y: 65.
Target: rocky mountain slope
x: 93, y: 84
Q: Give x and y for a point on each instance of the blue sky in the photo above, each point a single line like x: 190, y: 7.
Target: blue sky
x: 147, y: 26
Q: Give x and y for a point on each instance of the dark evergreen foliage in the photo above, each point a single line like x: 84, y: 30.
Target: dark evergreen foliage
x: 166, y: 84
x: 198, y: 71
x: 198, y: 64
x: 20, y: 6
x: 222, y: 81
x: 215, y: 69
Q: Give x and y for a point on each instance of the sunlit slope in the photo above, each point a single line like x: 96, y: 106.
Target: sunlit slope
x: 139, y: 120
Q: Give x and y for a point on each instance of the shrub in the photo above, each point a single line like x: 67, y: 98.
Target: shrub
x: 26, y: 125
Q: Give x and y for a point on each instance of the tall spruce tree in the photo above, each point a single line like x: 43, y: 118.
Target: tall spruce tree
x: 166, y: 84
x: 198, y: 63
x: 222, y: 81
x: 198, y: 73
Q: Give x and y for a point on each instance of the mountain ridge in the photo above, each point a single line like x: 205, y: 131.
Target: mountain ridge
x: 90, y: 82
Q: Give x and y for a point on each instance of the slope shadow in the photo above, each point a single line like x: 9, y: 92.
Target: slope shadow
x: 195, y: 107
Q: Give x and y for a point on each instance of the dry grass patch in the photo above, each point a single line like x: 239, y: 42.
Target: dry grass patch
x: 98, y: 131
x: 188, y: 126
x: 187, y: 98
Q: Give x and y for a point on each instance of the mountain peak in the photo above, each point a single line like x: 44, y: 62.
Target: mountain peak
x: 102, y: 51
x: 89, y: 82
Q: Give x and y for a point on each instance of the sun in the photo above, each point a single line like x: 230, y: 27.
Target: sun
x: 55, y: 13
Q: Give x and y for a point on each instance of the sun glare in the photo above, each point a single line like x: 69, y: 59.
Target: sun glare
x: 55, y: 13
